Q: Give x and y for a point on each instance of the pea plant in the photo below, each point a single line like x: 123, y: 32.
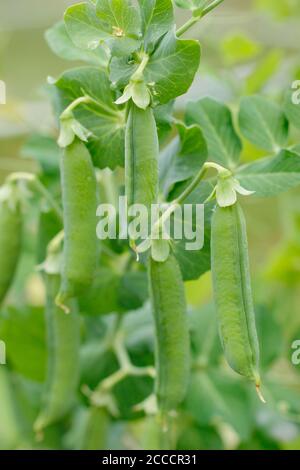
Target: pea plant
x: 110, y: 361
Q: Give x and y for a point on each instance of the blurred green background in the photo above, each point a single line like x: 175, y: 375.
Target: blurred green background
x: 249, y: 46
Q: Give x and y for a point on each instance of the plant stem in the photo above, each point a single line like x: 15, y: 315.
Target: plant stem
x: 39, y: 187
x: 138, y: 74
x: 189, y: 24
x: 192, y: 186
x: 192, y: 21
x: 86, y: 99
x: 211, y: 7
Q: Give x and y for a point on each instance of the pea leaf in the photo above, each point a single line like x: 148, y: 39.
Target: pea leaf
x: 221, y: 396
x: 133, y: 291
x: 271, y: 176
x: 205, y: 342
x: 292, y: 107
x: 270, y: 336
x: 194, y: 264
x: 215, y: 121
x: 183, y: 157
x: 157, y: 19
x: 263, y: 123
x: 102, y: 297
x: 84, y: 27
x: 105, y: 121
x: 122, y: 22
x: 61, y: 44
x: 172, y: 67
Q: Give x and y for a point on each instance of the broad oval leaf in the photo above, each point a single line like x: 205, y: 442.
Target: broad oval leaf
x: 194, y: 264
x: 123, y: 24
x: 271, y: 176
x: 183, y: 157
x: 61, y: 44
x: 172, y: 67
x: 157, y: 19
x: 263, y: 123
x: 105, y: 120
x: 215, y: 120
x: 84, y: 27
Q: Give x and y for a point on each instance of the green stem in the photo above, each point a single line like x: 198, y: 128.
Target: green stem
x: 192, y: 21
x: 138, y: 74
x: 86, y: 99
x: 191, y: 187
x: 211, y: 7
x: 40, y: 188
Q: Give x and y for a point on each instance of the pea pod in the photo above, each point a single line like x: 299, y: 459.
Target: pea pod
x: 10, y: 238
x: 232, y: 291
x: 79, y: 205
x: 141, y: 157
x: 172, y: 335
x: 63, y: 359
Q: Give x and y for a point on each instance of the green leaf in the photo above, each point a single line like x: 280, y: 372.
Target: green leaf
x: 157, y: 19
x: 84, y: 27
x: 105, y: 120
x: 205, y: 342
x: 220, y: 397
x: 183, y: 157
x: 194, y: 264
x: 24, y: 334
x: 102, y: 297
x: 172, y: 67
x: 263, y: 123
x: 122, y: 22
x: 215, y: 121
x: 291, y: 106
x: 96, y: 362
x: 133, y: 291
x: 270, y: 336
x: 271, y: 176
x: 61, y: 44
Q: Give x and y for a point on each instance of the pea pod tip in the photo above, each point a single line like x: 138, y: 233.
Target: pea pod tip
x: 260, y: 395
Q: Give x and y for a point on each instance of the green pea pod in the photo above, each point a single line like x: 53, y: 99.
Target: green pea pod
x: 172, y: 335
x: 141, y: 157
x: 79, y: 204
x: 232, y: 291
x: 63, y: 359
x: 95, y: 433
x: 10, y: 240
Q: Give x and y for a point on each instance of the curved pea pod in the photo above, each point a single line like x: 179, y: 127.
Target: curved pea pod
x: 232, y: 291
x: 141, y: 157
x: 63, y: 332
x: 79, y: 195
x: 172, y: 334
x: 10, y: 240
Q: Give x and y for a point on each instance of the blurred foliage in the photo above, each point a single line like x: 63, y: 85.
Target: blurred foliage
x: 250, y: 47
